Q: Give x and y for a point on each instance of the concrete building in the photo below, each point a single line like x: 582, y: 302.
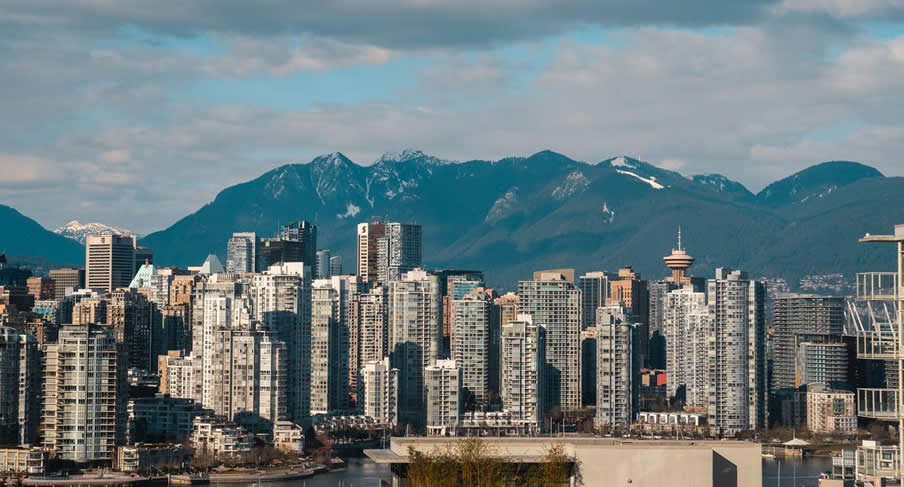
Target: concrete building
x: 736, y: 386
x: 181, y: 376
x: 41, y: 288
x: 109, y: 261
x: 84, y: 411
x: 162, y: 418
x: 555, y: 303
x: 220, y: 438
x: 475, y: 345
x: 137, y: 323
x: 658, y: 291
x: 150, y: 458
x: 241, y: 252
x: 523, y: 345
x: 415, y: 324
x: 442, y: 386
x: 372, y: 308
x: 305, y: 233
x: 454, y: 285
x: 615, y: 368
x: 830, y: 411
x: 378, y: 394
x: 329, y: 346
x: 29, y: 396
x: 28, y: 461
x: 508, y: 307
x: 288, y: 437
x: 368, y: 237
x: 686, y: 322
x: 10, y: 357
x: 65, y: 279
x: 594, y: 288
x: 281, y: 299
x: 399, y: 250
x: 629, y: 289
x: 603, y: 461
x: 799, y: 319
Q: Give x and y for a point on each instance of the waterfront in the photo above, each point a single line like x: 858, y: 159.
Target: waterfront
x: 361, y: 472
x: 795, y: 471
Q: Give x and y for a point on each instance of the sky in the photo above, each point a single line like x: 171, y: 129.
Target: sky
x: 137, y: 113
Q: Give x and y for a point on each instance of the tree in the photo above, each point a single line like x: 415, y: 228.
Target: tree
x: 555, y: 469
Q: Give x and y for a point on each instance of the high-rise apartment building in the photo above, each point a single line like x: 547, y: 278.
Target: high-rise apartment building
x: 281, y: 298
x: 442, y: 386
x: 555, y: 303
x: 629, y: 289
x: 329, y: 346
x: 415, y: 325
x: 241, y: 252
x: 615, y: 368
x: 371, y: 321
x: 109, y: 261
x: 686, y: 323
x: 85, y: 391
x: 594, y: 288
x: 825, y: 362
x: 29, y: 389
x: 9, y: 386
x: 64, y: 279
x: 508, y: 307
x: 336, y: 265
x: 588, y: 366
x: 322, y: 270
x: 41, y: 288
x: 454, y: 285
x: 368, y: 236
x: 305, y: 233
x: 475, y: 345
x: 523, y: 344
x: 736, y: 352
x: 399, y: 250
x: 796, y: 319
x: 137, y: 323
x: 378, y: 393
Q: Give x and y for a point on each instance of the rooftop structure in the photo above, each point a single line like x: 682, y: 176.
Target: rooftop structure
x: 679, y: 262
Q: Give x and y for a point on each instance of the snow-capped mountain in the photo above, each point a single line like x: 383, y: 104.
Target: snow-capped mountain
x: 518, y: 214
x: 80, y: 231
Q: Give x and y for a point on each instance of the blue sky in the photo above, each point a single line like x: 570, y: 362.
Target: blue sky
x: 136, y: 114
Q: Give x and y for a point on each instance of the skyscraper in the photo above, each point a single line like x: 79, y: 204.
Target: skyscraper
x: 475, y: 345
x: 594, y: 288
x: 84, y: 414
x: 399, y: 250
x: 109, y: 261
x: 736, y: 351
x: 523, y: 352
x: 137, y: 323
x: 415, y: 324
x: 615, y: 368
x: 64, y: 279
x: 442, y: 386
x: 281, y: 299
x: 241, y: 252
x: 336, y: 265
x: 629, y: 289
x: 371, y: 310
x: 322, y: 270
x: 378, y: 393
x: 368, y: 236
x: 9, y: 386
x: 686, y: 322
x: 554, y: 302
x: 329, y: 346
x: 798, y: 318
x: 304, y: 232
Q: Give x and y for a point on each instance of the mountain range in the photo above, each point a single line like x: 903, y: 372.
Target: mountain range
x: 518, y: 214
x: 81, y: 231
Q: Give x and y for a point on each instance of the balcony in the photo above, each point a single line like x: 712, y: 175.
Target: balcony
x: 877, y: 403
x: 876, y: 345
x: 878, y: 286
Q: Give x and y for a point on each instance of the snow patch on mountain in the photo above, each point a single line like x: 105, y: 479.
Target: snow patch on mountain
x: 650, y: 180
x: 608, y: 213
x: 409, y: 154
x: 574, y: 183
x: 620, y: 161
x: 81, y: 231
x: 351, y: 210
x: 503, y: 206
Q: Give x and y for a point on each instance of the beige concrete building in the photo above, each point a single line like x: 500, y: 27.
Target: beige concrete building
x: 603, y: 462
x: 831, y: 412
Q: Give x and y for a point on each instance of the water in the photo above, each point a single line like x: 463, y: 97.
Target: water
x: 796, y: 471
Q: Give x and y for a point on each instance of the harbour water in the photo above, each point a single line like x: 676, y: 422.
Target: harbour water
x: 361, y: 472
